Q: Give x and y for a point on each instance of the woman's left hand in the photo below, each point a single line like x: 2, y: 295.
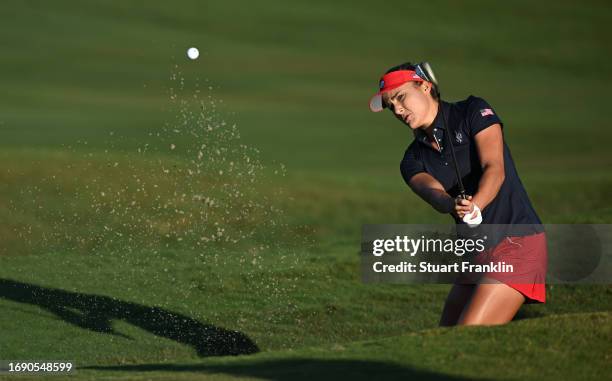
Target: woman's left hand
x: 463, y: 206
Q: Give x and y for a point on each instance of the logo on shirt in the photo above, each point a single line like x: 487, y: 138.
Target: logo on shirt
x: 459, y: 137
x: 486, y: 111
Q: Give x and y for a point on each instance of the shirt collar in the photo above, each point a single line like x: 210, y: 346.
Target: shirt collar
x: 438, y: 124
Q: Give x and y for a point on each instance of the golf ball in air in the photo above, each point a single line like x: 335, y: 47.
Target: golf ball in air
x: 193, y: 53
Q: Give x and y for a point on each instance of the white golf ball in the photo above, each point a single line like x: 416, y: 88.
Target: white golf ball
x: 193, y: 53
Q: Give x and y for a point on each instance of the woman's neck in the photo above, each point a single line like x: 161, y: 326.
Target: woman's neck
x: 431, y: 116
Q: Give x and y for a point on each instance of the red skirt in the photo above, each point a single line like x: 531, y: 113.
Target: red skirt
x: 526, y: 257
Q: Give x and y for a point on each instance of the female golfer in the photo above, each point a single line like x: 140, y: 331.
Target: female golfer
x: 492, y: 187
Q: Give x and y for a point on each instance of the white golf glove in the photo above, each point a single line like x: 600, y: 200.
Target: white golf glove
x: 474, y: 218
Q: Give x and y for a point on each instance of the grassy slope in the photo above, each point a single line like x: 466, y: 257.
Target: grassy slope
x: 438, y: 354
x: 535, y: 349
x: 295, y: 80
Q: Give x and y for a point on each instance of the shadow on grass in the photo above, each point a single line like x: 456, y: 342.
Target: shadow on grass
x: 527, y: 313
x: 95, y: 313
x: 298, y: 369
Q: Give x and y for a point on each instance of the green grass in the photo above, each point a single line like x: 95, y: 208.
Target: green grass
x: 102, y: 259
x: 437, y: 354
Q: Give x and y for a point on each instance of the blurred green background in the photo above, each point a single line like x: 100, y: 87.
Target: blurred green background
x: 296, y: 79
x: 94, y: 78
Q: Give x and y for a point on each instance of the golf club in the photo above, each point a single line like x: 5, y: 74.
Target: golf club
x: 425, y: 71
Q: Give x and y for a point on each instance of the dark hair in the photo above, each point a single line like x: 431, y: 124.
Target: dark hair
x: 408, y: 66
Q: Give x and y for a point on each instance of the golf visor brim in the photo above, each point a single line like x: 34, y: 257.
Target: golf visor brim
x: 389, y: 82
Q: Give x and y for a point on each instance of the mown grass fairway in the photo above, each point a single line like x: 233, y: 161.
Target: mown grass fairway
x: 141, y: 235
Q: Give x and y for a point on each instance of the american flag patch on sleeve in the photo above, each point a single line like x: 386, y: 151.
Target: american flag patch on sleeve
x: 486, y: 111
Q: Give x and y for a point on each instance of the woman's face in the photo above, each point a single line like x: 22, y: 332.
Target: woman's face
x: 411, y: 103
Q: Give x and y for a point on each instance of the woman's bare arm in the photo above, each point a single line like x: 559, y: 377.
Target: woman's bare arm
x: 430, y: 190
x: 490, y: 147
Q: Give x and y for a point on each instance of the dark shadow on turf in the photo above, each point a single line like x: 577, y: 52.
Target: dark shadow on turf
x: 527, y: 313
x: 95, y: 313
x: 299, y: 370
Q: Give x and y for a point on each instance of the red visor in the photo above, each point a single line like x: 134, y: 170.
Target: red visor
x: 391, y: 81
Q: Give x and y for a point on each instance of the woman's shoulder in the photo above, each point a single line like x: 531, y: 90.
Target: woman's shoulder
x: 411, y: 163
x: 411, y: 151
x: 477, y: 114
x: 472, y: 103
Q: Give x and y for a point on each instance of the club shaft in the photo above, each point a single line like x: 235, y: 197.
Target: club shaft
x: 449, y: 141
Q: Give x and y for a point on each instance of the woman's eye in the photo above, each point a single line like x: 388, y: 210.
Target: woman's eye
x: 400, y: 97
